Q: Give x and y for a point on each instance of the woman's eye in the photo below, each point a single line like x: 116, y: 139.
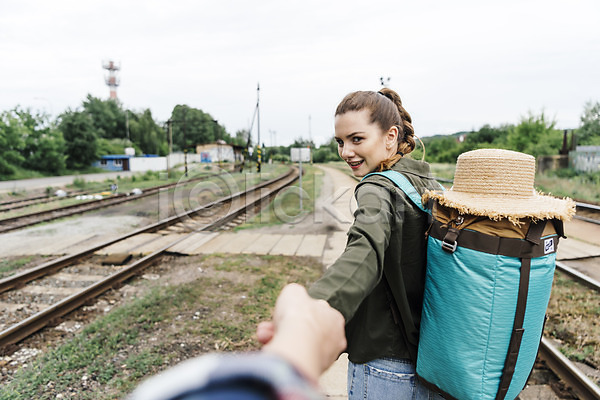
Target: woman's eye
x: 340, y: 143
x: 356, y: 139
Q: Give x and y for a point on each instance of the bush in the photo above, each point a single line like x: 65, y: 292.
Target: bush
x: 150, y: 175
x: 564, y: 173
x: 281, y: 157
x: 79, y: 183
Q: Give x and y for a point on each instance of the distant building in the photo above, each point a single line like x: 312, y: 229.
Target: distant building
x: 117, y: 162
x: 123, y: 162
x: 585, y: 158
x: 220, y: 152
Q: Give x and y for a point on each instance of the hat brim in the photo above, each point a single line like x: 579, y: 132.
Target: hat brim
x: 537, y: 207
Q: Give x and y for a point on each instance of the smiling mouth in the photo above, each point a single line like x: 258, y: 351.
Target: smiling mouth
x: 355, y: 164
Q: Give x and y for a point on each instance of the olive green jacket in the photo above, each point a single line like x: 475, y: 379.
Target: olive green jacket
x: 388, y: 234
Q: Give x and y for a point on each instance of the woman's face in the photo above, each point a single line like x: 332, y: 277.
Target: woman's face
x: 362, y: 144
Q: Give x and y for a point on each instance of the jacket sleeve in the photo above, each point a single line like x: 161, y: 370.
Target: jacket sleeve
x: 359, y: 269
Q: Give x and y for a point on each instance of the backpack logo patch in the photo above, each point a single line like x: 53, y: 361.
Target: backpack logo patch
x: 548, y: 246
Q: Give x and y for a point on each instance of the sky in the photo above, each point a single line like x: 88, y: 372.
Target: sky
x: 457, y: 65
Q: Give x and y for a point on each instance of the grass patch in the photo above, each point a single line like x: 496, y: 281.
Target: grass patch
x: 217, y: 312
x: 567, y: 183
x: 443, y: 171
x: 573, y: 312
x: 8, y: 266
x: 285, y: 208
x: 151, y: 179
x: 23, y: 173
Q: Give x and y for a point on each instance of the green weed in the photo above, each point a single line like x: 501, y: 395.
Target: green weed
x: 219, y: 311
x: 8, y: 266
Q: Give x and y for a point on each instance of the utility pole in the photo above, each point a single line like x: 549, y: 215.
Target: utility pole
x: 127, y: 123
x: 309, y: 138
x: 184, y: 142
x: 170, y: 133
x: 170, y: 141
x: 258, y: 158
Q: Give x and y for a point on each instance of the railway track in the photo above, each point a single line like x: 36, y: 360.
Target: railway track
x: 574, y: 378
x: 588, y: 213
x: 22, y: 221
x: 89, y: 269
x: 81, y: 278
x: 566, y: 370
x: 11, y: 205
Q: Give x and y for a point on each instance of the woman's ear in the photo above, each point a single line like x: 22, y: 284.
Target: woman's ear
x: 391, y: 137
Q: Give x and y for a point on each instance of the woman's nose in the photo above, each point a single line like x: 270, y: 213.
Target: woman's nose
x: 346, y: 152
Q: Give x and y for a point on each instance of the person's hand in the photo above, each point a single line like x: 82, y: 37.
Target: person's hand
x: 308, y: 333
x: 265, y: 331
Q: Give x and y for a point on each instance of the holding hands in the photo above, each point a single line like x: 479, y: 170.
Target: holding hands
x: 306, y: 332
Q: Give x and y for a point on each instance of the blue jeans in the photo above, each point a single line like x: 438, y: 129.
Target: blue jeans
x: 386, y: 378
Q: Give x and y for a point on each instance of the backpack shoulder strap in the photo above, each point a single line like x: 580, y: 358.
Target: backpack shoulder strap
x: 404, y: 184
x: 402, y: 320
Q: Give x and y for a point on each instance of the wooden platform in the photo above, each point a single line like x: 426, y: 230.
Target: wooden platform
x: 572, y: 249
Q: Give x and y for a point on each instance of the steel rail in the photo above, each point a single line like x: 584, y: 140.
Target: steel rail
x: 91, y: 205
x: 26, y: 203
x: 586, y: 219
x: 587, y: 207
x: 593, y: 207
x: 37, y: 321
x: 34, y: 201
x: 8, y: 202
x: 20, y: 279
x: 579, y: 276
x: 568, y: 371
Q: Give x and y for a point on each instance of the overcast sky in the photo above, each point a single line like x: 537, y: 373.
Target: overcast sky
x: 456, y: 64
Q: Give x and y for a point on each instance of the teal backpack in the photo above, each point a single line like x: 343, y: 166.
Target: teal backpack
x: 484, y: 303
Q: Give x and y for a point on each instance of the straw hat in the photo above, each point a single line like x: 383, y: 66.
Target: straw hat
x: 499, y: 184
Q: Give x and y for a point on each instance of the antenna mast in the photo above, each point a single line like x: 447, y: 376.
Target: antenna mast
x: 259, y: 160
x: 112, y: 81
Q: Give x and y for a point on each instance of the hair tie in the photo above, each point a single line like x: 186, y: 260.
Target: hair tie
x: 401, y: 153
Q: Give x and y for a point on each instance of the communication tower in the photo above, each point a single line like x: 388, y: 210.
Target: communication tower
x: 112, y: 80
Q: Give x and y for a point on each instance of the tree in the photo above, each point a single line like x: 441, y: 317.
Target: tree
x: 107, y: 116
x: 327, y: 152
x: 300, y: 142
x: 242, y: 138
x: 487, y: 136
x: 44, y: 144
x: 115, y: 146
x: 535, y: 135
x: 47, y: 154
x: 192, y: 126
x: 444, y: 149
x: 11, y: 143
x: 81, y: 139
x: 146, y: 133
x: 589, y: 132
x: 30, y: 141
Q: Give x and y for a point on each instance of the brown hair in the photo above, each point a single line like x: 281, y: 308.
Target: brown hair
x: 386, y: 111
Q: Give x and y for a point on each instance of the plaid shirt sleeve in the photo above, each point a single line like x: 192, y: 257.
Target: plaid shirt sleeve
x: 253, y: 376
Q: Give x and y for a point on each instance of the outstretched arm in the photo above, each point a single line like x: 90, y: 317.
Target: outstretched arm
x: 306, y: 332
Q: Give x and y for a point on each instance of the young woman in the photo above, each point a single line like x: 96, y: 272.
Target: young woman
x: 384, y: 259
